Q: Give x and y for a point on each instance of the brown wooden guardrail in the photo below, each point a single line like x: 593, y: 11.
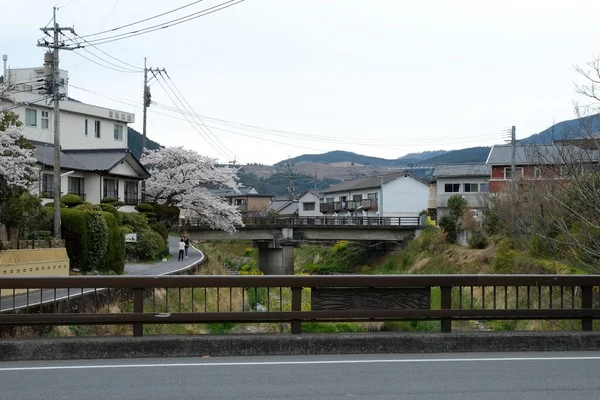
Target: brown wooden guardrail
x: 139, y: 300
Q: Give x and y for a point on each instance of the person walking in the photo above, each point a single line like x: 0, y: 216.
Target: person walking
x: 186, y: 240
x: 181, y: 250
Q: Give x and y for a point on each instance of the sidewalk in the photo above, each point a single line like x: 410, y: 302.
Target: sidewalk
x: 169, y: 266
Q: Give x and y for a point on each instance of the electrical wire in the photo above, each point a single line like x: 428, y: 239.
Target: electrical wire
x: 133, y: 67
x: 190, y: 122
x: 106, y: 66
x: 144, y: 20
x: 25, y: 103
x: 168, y: 24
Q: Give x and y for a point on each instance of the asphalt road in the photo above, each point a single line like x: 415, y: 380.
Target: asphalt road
x: 530, y: 376
x: 160, y: 268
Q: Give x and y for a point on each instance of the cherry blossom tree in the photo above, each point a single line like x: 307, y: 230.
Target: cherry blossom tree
x: 17, y: 165
x: 181, y: 178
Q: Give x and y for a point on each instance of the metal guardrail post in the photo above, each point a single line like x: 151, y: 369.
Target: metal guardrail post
x: 296, y: 306
x: 587, y: 302
x: 138, y: 308
x: 446, y: 304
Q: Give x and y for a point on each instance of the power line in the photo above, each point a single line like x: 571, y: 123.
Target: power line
x: 106, y: 66
x: 143, y: 20
x: 136, y: 68
x: 168, y: 24
x: 25, y: 103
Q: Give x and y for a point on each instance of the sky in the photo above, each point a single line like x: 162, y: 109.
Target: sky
x: 265, y: 80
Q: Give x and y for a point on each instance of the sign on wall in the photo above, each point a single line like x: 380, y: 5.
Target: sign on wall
x: 130, y: 237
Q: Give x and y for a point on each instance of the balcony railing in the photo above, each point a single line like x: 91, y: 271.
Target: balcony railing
x: 351, y: 205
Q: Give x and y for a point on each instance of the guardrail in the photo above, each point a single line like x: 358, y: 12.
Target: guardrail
x: 330, y: 220
x: 139, y: 300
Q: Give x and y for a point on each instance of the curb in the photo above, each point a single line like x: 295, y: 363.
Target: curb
x: 287, y: 344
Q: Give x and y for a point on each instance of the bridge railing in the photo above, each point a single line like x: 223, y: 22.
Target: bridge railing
x: 139, y: 300
x: 330, y: 220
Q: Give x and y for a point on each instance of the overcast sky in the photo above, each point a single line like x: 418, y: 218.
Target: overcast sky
x: 381, y: 78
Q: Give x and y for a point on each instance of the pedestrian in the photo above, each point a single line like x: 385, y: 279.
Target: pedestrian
x: 186, y: 240
x: 181, y: 249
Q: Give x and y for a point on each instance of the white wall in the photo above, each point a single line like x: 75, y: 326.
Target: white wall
x: 27, y: 75
x: 124, y: 168
x: 404, y: 197
x: 349, y: 195
x: 93, y: 190
x: 72, y: 118
x: 475, y: 199
x: 309, y: 197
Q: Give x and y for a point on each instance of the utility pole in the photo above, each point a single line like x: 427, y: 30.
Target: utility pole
x: 147, y: 101
x: 55, y: 87
x: 513, y: 163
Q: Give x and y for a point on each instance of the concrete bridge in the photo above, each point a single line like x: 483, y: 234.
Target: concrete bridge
x: 276, y: 237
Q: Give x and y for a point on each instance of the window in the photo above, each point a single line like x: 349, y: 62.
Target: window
x: 118, y: 133
x: 86, y: 127
x: 45, y: 120
x: 47, y: 186
x: 308, y: 206
x: 76, y: 187
x: 484, y: 187
x: 111, y: 188
x: 518, y: 172
x: 97, y: 128
x: 329, y: 200
x: 239, y: 202
x: 471, y: 187
x: 30, y: 117
x: 537, y: 173
x: 131, y: 193
x: 342, y: 198
x: 357, y: 197
x: 372, y: 196
x: 452, y: 187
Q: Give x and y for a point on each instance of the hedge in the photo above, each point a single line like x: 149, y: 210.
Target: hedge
x: 74, y: 232
x: 71, y: 200
x: 114, y: 259
x: 149, y: 246
x: 98, y: 240
x: 144, y: 207
x: 160, y: 228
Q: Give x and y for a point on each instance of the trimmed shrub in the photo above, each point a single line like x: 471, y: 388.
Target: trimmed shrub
x: 74, y: 232
x: 114, y: 259
x: 71, y: 200
x: 109, y: 200
x: 135, y: 221
x: 151, y: 216
x: 160, y: 228
x: 87, y: 206
x: 113, y: 210
x: 98, y: 240
x: 149, y: 246
x: 168, y: 215
x: 144, y: 207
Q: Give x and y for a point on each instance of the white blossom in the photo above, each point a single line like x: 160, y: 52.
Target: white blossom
x: 180, y: 178
x: 17, y: 165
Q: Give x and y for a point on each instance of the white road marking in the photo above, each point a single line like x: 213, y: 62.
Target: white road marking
x: 312, y: 362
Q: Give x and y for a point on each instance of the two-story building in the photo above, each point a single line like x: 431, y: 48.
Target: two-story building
x: 538, y: 163
x: 399, y: 194
x: 309, y: 204
x: 471, y: 181
x: 95, y: 161
x: 248, y: 201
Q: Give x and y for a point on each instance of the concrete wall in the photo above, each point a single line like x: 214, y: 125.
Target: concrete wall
x: 38, y: 262
x: 475, y: 200
x: 276, y: 261
x: 404, y: 197
x: 309, y: 197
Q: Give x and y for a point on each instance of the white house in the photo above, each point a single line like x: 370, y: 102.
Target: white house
x: 95, y: 160
x: 471, y: 181
x: 403, y: 196
x: 309, y: 204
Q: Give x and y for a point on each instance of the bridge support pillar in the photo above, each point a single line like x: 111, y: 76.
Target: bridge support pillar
x: 276, y: 261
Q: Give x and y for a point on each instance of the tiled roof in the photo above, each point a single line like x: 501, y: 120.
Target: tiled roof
x: 461, y: 170
x: 365, y: 183
x: 539, y: 154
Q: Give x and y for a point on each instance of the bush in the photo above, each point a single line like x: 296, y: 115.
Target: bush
x: 87, y: 206
x: 137, y: 222
x: 71, y: 200
x: 144, y: 207
x: 477, y: 240
x: 109, y: 200
x: 168, y: 215
x: 160, y: 228
x: 114, y: 259
x: 109, y: 208
x: 149, y: 246
x: 74, y: 232
x: 98, y: 240
x: 448, y: 225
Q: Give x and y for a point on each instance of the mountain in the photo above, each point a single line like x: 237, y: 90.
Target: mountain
x: 470, y: 155
x: 134, y: 142
x: 567, y: 129
x: 338, y: 157
x: 412, y: 158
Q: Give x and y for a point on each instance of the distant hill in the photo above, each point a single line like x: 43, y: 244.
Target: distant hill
x: 134, y: 142
x: 470, y: 155
x: 412, y: 158
x: 337, y: 157
x: 567, y: 129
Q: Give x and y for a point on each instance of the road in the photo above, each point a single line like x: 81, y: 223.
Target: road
x: 160, y: 268
x: 478, y: 376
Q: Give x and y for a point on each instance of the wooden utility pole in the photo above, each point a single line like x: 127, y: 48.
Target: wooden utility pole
x: 513, y: 162
x: 55, y: 86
